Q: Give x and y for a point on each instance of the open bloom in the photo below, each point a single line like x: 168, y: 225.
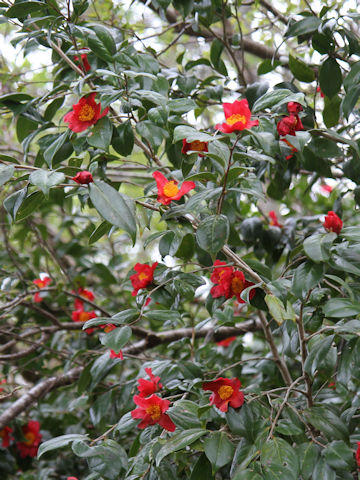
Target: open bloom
x: 195, y: 146
x: 168, y: 190
x: 357, y: 454
x: 148, y: 387
x: 152, y: 410
x: 238, y: 117
x: 294, y: 108
x: 41, y: 282
x: 225, y: 392
x: 85, y: 293
x: 333, y: 223
x: 229, y: 282
x: 83, y: 62
x: 82, y: 316
x: 83, y: 178
x: 226, y: 342
x: 274, y: 220
x: 289, y: 125
x: 31, y: 432
x: 84, y: 114
x: 5, y: 436
x: 143, y: 277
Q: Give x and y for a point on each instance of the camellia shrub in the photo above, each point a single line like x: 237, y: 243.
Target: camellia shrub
x: 180, y: 248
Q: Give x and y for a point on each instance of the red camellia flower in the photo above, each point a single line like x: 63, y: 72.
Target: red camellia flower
x: 226, y: 342
x: 230, y: 282
x: 113, y: 354
x: 238, y: 117
x: 6, y: 437
x: 148, y: 387
x: 71, y: 478
x: 151, y: 411
x: 84, y: 63
x: 196, y: 146
x: 357, y: 455
x: 319, y: 91
x: 225, y: 392
x: 143, y: 277
x: 82, y: 316
x: 84, y: 114
x: 326, y: 188
x: 289, y: 125
x: 29, y: 447
x: 83, y: 178
x: 293, y: 149
x: 168, y: 190
x: 294, y: 107
x: 274, y: 220
x: 41, y: 282
x: 333, y: 223
x: 83, y: 292
x: 2, y: 382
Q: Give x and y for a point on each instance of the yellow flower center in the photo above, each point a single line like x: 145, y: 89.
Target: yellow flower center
x: 2, y: 433
x: 87, y: 113
x: 198, y: 146
x: 143, y: 276
x: 154, y: 412
x: 170, y: 189
x: 225, y: 392
x: 236, y: 118
x: 237, y: 285
x: 83, y: 316
x: 30, y: 437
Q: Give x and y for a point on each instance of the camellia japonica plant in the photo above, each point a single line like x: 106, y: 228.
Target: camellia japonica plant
x: 180, y: 240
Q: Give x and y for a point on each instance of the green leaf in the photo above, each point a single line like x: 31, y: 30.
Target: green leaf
x: 267, y: 66
x: 341, y: 307
x: 101, y: 230
x: 202, y: 469
x: 22, y: 9
x: 218, y: 449
x: 300, y: 70
x: 31, y: 203
x: 317, y: 355
x: 323, y: 471
x: 53, y: 108
x: 247, y: 475
x: 190, y: 134
x: 339, y: 456
x: 163, y: 315
x: 212, y: 233
x: 13, y: 202
x: 277, y: 309
x: 6, y: 172
x: 247, y: 421
x: 328, y: 422
x: 306, y: 276
x: 126, y: 424
x: 55, y: 146
x: 330, y: 77
x: 116, y: 339
x: 331, y: 112
x: 287, y: 427
x: 115, y: 207
x: 152, y: 133
x: 101, y: 42
x: 350, y: 101
x: 279, y: 453
x: 351, y: 233
x: 123, y: 139
x: 119, y: 319
x: 317, y: 247
x: 59, y: 442
x: 45, y: 179
x: 178, y: 442
x: 181, y: 105
x: 101, y: 134
x: 184, y: 414
x: 307, y: 454
x: 307, y: 25
x: 277, y: 97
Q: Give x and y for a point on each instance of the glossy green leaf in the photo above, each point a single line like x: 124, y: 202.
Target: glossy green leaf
x: 330, y: 77
x: 59, y: 442
x: 29, y: 205
x: 13, y: 202
x: 339, y: 455
x: 115, y: 207
x: 212, y: 233
x: 277, y: 453
x: 181, y: 105
x: 306, y: 276
x: 6, y: 172
x: 202, y: 469
x: 328, y: 422
x: 101, y: 134
x: 331, y: 112
x: 300, y: 70
x: 116, y: 339
x: 277, y: 309
x: 317, y: 354
x: 99, y: 232
x: 178, y: 442
x: 277, y: 97
x: 101, y: 42
x: 123, y: 139
x: 184, y: 414
x: 22, y: 9
x: 341, y: 307
x: 218, y: 449
x: 302, y: 27
x: 307, y: 454
x: 317, y: 247
x: 45, y: 179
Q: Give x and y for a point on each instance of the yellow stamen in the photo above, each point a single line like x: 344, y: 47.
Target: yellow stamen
x: 170, y: 189
x: 143, y: 276
x: 154, y: 411
x: 87, y: 113
x: 83, y: 316
x: 237, y: 285
x: 197, y: 146
x: 225, y: 392
x: 236, y: 118
x: 30, y: 437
